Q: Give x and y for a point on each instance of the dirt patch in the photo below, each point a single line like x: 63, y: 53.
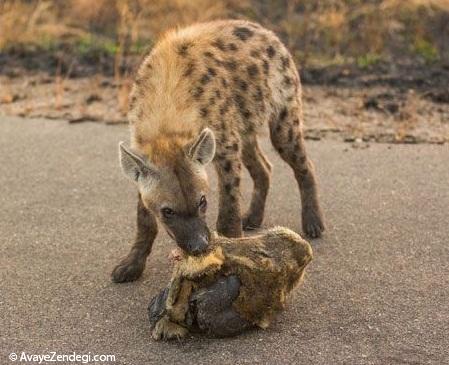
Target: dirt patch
x: 405, y: 105
x: 374, y: 114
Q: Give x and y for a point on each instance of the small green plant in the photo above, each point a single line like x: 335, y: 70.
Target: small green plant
x: 84, y: 45
x: 368, y: 60
x: 89, y: 45
x: 141, y: 46
x: 110, y: 47
x: 48, y: 43
x: 426, y: 50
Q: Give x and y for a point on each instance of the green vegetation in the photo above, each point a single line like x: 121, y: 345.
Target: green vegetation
x: 94, y: 45
x: 426, y: 50
x: 367, y: 60
x: 321, y: 32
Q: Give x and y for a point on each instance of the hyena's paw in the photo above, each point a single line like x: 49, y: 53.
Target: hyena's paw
x: 127, y: 270
x: 251, y: 222
x: 312, y: 222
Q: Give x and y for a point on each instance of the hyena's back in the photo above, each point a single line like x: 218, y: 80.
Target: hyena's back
x: 233, y: 76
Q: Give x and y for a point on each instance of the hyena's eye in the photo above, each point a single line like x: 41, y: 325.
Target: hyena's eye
x: 167, y: 212
x: 203, y: 203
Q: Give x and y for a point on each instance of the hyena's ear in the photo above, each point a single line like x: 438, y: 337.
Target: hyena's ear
x: 135, y: 167
x: 202, y: 150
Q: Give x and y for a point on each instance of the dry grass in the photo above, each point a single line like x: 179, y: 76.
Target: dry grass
x: 32, y: 23
x: 116, y: 27
x: 39, y: 21
x: 316, y: 31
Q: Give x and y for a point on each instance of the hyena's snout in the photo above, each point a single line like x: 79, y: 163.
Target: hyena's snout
x: 198, y: 245
x: 193, y: 236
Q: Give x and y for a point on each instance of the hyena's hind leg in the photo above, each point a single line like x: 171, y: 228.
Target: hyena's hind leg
x: 132, y: 266
x: 260, y: 170
x: 286, y: 136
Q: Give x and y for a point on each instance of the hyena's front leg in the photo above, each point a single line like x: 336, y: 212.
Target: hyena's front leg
x: 229, y: 166
x: 132, y: 266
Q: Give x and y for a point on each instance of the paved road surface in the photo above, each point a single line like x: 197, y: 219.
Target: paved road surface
x: 376, y: 293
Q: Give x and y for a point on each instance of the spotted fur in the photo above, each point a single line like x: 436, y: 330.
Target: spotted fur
x: 234, y: 77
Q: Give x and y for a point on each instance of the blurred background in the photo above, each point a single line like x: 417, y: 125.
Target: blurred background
x: 373, y: 70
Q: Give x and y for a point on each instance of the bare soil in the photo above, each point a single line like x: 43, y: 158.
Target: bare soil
x: 389, y: 104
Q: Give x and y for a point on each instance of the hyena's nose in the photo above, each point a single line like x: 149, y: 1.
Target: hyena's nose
x: 199, y: 245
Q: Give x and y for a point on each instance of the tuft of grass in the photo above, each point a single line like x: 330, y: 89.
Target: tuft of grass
x: 367, y: 60
x: 426, y: 50
x: 92, y: 45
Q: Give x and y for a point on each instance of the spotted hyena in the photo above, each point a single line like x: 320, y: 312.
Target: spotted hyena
x: 203, y: 95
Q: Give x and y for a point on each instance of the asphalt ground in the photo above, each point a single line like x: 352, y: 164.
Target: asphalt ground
x: 377, y: 291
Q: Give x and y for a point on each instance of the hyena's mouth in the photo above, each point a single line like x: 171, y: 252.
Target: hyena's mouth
x: 194, y: 250
x: 185, y: 247
x: 206, y: 251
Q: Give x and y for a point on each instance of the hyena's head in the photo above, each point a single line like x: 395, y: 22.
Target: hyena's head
x: 176, y: 191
